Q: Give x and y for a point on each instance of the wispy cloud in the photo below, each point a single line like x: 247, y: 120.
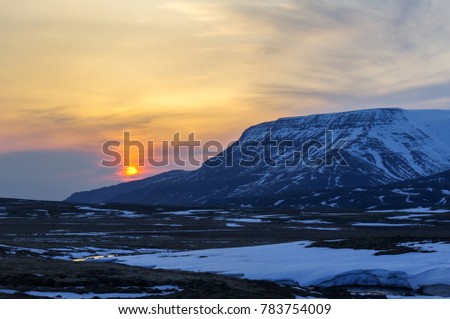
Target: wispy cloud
x: 352, y: 48
x: 76, y: 72
x: 357, y: 47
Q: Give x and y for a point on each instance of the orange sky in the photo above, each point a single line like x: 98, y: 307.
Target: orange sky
x: 75, y: 73
x: 80, y: 72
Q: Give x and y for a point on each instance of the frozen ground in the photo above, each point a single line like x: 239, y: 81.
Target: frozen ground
x: 403, y: 249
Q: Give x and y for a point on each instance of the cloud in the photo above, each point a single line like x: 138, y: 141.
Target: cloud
x: 77, y: 73
x: 328, y: 55
x: 357, y: 48
x: 431, y: 96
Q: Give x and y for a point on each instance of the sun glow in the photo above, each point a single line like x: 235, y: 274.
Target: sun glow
x: 131, y: 171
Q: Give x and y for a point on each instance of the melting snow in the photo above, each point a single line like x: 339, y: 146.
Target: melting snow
x: 383, y: 225
x: 411, y: 216
x: 234, y: 225
x: 401, y: 192
x: 311, y: 221
x: 311, y: 266
x: 246, y: 220
x: 278, y: 202
x: 165, y: 290
x: 411, y: 210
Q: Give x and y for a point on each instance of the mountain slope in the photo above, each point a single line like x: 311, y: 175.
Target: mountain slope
x: 427, y: 192
x: 383, y: 146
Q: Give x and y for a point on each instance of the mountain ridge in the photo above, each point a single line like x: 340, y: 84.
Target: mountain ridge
x: 385, y: 145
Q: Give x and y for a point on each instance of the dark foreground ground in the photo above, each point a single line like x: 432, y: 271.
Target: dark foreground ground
x: 47, y: 249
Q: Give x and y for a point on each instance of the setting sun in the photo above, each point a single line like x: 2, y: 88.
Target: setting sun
x: 131, y: 170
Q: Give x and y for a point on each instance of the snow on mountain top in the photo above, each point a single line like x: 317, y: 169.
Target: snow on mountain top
x: 374, y: 112
x: 434, y: 123
x: 404, y: 144
x: 420, y: 118
x: 422, y: 115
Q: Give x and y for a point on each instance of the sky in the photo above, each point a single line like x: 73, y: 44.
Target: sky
x: 77, y: 73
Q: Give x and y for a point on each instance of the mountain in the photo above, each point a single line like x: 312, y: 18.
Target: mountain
x: 382, y: 146
x: 425, y: 192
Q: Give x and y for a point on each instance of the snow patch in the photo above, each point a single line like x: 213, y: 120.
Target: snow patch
x: 311, y: 265
x: 278, y: 202
x: 383, y: 225
x: 234, y: 225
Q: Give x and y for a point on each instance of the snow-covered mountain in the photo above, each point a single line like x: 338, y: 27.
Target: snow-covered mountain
x: 421, y: 194
x: 383, y: 146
